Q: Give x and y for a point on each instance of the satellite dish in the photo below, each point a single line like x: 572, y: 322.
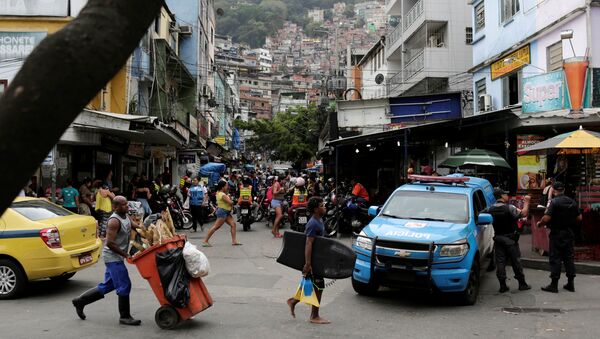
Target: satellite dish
x: 379, y: 79
x: 220, y: 12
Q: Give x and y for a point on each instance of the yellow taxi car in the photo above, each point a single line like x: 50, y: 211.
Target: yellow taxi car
x: 39, y: 239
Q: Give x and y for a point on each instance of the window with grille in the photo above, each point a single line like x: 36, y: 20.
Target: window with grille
x: 479, y: 16
x: 469, y: 35
x: 509, y: 9
x: 480, y: 87
x: 554, y: 56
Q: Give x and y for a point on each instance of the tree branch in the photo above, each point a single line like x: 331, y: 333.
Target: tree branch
x: 60, y: 77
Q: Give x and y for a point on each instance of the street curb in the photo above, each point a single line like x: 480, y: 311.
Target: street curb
x: 541, y: 264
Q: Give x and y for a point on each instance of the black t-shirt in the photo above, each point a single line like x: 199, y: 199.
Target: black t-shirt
x: 141, y: 195
x: 564, y: 212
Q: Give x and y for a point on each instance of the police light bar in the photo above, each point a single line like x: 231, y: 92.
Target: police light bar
x: 444, y: 180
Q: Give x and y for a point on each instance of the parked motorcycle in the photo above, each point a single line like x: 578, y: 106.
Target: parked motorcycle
x: 300, y: 219
x: 182, y: 218
x: 347, y: 215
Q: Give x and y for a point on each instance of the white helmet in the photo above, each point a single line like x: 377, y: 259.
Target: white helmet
x: 300, y: 182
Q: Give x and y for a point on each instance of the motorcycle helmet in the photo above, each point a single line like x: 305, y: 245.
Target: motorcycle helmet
x: 300, y: 182
x: 165, y: 189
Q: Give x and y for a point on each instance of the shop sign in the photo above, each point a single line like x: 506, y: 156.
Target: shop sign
x: 220, y: 140
x: 162, y: 152
x: 551, y: 92
x: 136, y: 149
x: 193, y: 125
x: 103, y: 158
x: 34, y: 7
x: 49, y: 160
x: 183, y: 131
x: 413, y: 109
x: 18, y: 45
x: 511, y: 62
x: 543, y: 92
x: 531, y: 169
x: 186, y: 158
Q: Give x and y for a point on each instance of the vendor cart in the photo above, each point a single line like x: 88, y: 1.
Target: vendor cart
x: 168, y: 316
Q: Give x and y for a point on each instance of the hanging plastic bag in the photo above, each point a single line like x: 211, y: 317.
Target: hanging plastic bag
x: 174, y: 277
x: 196, y: 262
x: 186, y: 203
x: 306, y: 292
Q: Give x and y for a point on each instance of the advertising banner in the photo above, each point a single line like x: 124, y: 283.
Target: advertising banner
x: 531, y: 169
x: 18, y: 45
x: 35, y: 7
x: 511, y: 62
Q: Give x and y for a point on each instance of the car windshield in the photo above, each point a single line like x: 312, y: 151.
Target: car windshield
x: 448, y: 207
x: 35, y: 210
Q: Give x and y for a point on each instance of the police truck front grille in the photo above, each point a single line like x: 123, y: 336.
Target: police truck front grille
x: 409, y: 263
x: 411, y: 246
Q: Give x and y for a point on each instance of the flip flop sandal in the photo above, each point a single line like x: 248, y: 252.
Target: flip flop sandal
x: 205, y: 244
x: 237, y: 244
x: 279, y: 236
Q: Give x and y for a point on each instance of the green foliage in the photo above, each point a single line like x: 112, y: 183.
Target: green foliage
x: 250, y: 21
x: 290, y: 136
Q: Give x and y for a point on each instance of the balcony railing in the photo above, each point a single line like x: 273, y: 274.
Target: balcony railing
x: 395, y: 35
x: 413, y: 14
x: 414, y: 66
x: 394, y: 82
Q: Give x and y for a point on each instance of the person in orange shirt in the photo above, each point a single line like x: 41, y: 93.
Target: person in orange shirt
x: 359, y: 191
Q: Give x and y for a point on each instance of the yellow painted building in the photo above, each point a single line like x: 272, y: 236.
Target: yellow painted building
x: 114, y: 96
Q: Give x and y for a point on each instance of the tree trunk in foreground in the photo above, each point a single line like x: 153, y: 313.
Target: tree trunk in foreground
x: 60, y: 77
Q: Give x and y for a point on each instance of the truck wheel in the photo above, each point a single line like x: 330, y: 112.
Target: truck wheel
x: 365, y: 289
x: 12, y: 279
x: 166, y: 317
x: 469, y: 296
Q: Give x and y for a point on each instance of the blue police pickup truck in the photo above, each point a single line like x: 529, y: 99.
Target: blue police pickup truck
x: 430, y: 234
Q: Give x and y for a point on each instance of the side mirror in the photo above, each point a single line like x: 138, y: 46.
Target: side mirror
x: 373, y: 211
x: 484, y: 219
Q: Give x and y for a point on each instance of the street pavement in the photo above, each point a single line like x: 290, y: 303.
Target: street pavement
x: 250, y: 289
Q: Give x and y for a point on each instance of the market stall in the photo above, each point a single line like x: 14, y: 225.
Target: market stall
x: 576, y: 158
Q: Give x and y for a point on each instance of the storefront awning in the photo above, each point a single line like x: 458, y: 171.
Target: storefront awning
x: 90, y: 125
x: 449, y: 125
x: 560, y: 117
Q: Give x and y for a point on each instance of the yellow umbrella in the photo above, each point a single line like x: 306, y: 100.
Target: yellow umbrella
x: 576, y: 142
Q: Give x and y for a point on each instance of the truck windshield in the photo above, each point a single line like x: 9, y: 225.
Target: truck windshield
x: 448, y: 207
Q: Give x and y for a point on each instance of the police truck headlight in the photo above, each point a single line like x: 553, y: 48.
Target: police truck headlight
x: 363, y: 241
x: 455, y: 250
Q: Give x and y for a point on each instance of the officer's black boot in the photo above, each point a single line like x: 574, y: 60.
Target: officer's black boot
x: 124, y: 310
x: 523, y: 286
x: 552, y: 288
x: 86, y: 298
x: 503, y: 287
x: 570, y: 286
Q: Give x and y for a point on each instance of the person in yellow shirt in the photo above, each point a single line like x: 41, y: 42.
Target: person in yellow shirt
x: 104, y: 199
x: 225, y: 206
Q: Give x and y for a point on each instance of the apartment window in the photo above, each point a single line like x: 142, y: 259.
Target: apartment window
x: 469, y: 35
x: 554, y: 54
x: 480, y: 87
x: 157, y: 24
x: 512, y: 90
x: 509, y: 9
x: 480, y: 16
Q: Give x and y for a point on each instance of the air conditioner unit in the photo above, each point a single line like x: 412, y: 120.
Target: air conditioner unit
x: 205, y: 91
x: 485, y: 103
x: 185, y: 30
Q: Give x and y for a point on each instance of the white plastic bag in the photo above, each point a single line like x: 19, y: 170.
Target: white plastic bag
x: 196, y: 262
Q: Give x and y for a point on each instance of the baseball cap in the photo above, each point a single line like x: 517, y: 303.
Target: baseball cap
x: 559, y: 186
x: 498, y: 192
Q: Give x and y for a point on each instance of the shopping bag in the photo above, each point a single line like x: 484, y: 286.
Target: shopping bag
x: 306, y: 292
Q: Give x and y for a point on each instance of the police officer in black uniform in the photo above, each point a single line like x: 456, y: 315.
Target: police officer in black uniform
x: 506, y: 238
x: 561, y: 216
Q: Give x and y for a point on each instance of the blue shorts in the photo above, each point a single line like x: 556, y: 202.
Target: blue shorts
x: 116, y: 278
x: 275, y: 203
x: 223, y: 214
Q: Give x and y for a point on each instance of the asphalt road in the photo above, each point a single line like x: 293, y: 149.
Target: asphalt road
x: 249, y: 290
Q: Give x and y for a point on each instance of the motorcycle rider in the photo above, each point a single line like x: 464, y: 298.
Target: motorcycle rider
x: 299, y: 197
x: 246, y: 193
x: 359, y: 191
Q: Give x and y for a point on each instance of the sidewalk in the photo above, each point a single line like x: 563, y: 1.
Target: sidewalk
x: 533, y: 259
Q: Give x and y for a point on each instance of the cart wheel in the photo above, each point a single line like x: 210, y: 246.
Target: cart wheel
x: 166, y: 317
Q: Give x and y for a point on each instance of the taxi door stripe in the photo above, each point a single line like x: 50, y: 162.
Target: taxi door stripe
x: 19, y: 234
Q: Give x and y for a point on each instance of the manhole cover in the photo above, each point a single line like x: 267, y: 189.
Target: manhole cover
x: 531, y: 310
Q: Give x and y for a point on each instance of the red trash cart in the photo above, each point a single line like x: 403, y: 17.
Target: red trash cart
x: 167, y: 316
